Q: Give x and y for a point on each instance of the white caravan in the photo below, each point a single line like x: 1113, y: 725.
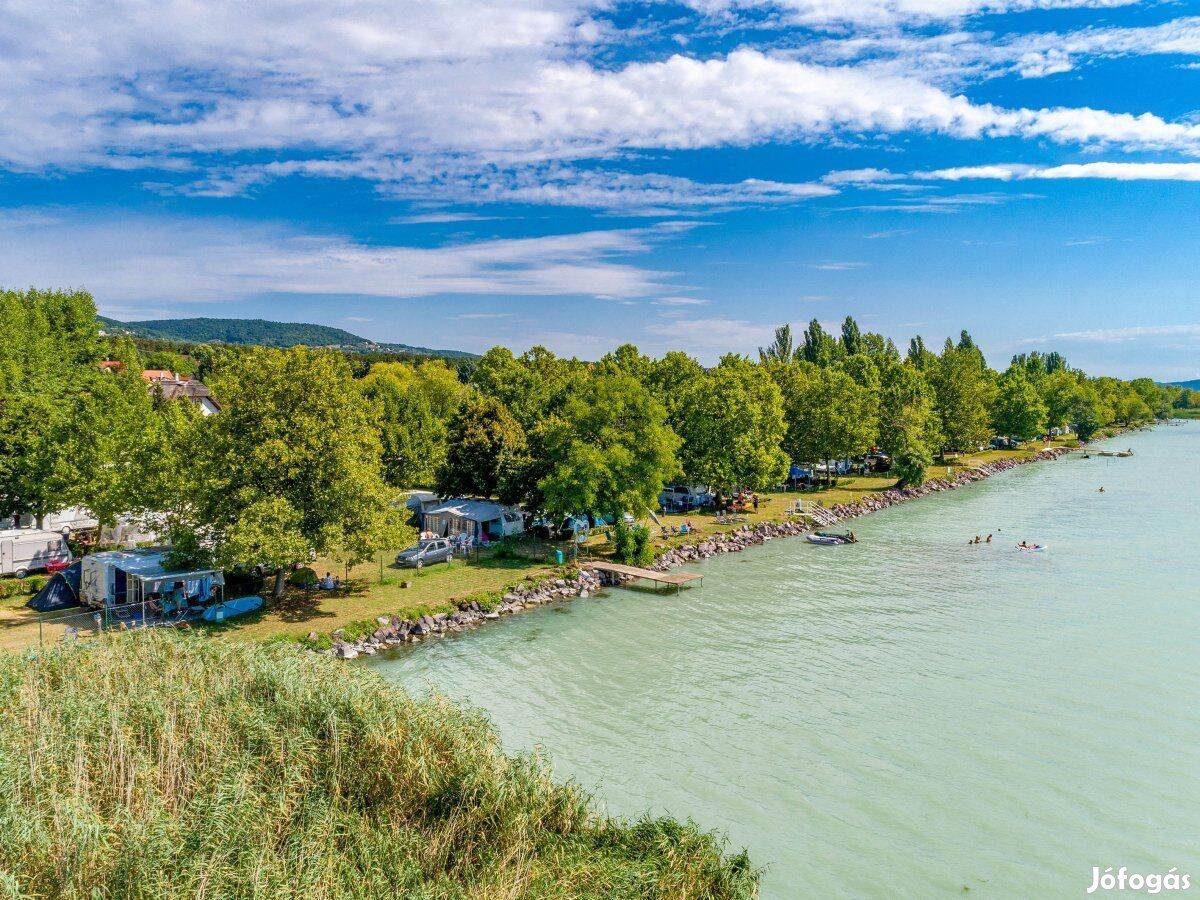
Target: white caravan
x: 23, y: 551
x: 65, y: 521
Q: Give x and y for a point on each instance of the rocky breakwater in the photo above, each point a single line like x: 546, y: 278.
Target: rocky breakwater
x: 727, y: 542
x: 750, y: 536
x: 394, y: 630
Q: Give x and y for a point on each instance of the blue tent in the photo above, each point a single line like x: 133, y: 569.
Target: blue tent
x: 60, y: 592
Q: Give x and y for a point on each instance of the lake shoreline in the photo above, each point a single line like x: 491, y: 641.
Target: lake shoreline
x: 396, y: 631
x: 740, y: 539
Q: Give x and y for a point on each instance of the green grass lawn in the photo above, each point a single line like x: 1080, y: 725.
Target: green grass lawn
x: 432, y: 589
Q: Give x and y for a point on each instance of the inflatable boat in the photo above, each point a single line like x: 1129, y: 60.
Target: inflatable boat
x: 228, y: 609
x: 825, y: 540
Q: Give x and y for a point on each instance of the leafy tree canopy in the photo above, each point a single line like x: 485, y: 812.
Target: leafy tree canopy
x: 732, y: 425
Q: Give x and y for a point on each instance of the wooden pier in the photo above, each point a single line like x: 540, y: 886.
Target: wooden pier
x: 677, y: 579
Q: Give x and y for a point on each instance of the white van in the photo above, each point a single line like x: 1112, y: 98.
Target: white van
x: 23, y: 551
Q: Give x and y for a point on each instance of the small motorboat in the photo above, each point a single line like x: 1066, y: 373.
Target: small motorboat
x: 228, y: 609
x: 825, y: 540
x: 846, y: 537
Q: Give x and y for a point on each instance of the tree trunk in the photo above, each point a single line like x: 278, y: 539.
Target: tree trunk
x: 40, y: 519
x: 279, y: 583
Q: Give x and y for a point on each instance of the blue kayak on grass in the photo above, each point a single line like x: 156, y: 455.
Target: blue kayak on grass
x: 228, y: 609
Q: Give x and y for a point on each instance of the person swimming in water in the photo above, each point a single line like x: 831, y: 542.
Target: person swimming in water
x: 1101, y: 489
x: 989, y: 539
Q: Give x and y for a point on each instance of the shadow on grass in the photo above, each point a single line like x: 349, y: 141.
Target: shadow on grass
x: 298, y: 606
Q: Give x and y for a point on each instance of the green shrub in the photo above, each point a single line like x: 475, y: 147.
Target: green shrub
x: 162, y: 765
x: 631, y: 544
x: 320, y: 642
x: 642, y: 552
x: 621, y: 536
x: 304, y: 577
x: 35, y: 583
x: 909, y: 467
x: 8, y: 588
x: 506, y: 547
x: 360, y: 629
x: 487, y: 600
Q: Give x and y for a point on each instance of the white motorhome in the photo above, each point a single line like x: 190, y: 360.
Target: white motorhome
x: 23, y: 550
x: 65, y: 521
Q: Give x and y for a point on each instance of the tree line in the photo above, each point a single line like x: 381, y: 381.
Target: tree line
x: 309, y: 454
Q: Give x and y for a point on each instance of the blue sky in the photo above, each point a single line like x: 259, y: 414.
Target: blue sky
x: 578, y: 174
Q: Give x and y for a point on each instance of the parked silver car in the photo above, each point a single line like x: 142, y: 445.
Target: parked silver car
x: 425, y: 553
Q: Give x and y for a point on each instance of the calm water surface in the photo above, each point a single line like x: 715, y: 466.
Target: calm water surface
x: 908, y: 716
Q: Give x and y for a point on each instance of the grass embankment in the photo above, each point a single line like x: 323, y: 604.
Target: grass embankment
x: 161, y: 765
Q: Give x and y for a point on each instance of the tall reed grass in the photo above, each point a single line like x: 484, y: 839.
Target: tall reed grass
x: 160, y: 765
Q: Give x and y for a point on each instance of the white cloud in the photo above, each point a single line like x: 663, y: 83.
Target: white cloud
x: 391, y: 91
x: 892, y: 12
x: 1131, y: 333
x: 716, y: 334
x: 440, y: 218
x: 135, y: 259
x: 958, y: 56
x: 605, y: 189
x: 1117, y: 171
x: 836, y: 266
x: 455, y: 179
x: 460, y: 101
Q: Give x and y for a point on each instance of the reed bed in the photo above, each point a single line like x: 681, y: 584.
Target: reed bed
x: 161, y: 765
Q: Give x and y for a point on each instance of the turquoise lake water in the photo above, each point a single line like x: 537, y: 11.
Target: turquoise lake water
x: 908, y: 716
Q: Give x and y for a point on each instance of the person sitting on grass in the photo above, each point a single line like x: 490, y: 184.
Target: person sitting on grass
x: 328, y: 583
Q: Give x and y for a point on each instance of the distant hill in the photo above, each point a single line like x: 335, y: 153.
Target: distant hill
x: 1194, y: 384
x: 265, y: 334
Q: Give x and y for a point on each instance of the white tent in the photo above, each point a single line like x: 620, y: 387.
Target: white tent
x: 129, y: 576
x: 478, y: 518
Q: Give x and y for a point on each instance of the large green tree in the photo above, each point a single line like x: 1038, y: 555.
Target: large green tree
x: 411, y: 406
x: 1058, y: 389
x: 732, y: 425
x: 608, y: 449
x: 782, y: 349
x: 964, y: 387
x: 829, y: 415
x: 908, y: 419
x: 819, y: 348
x: 531, y: 386
x: 1019, y: 410
x: 292, y: 460
x: 486, y: 452
x: 670, y: 378
x: 62, y: 418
